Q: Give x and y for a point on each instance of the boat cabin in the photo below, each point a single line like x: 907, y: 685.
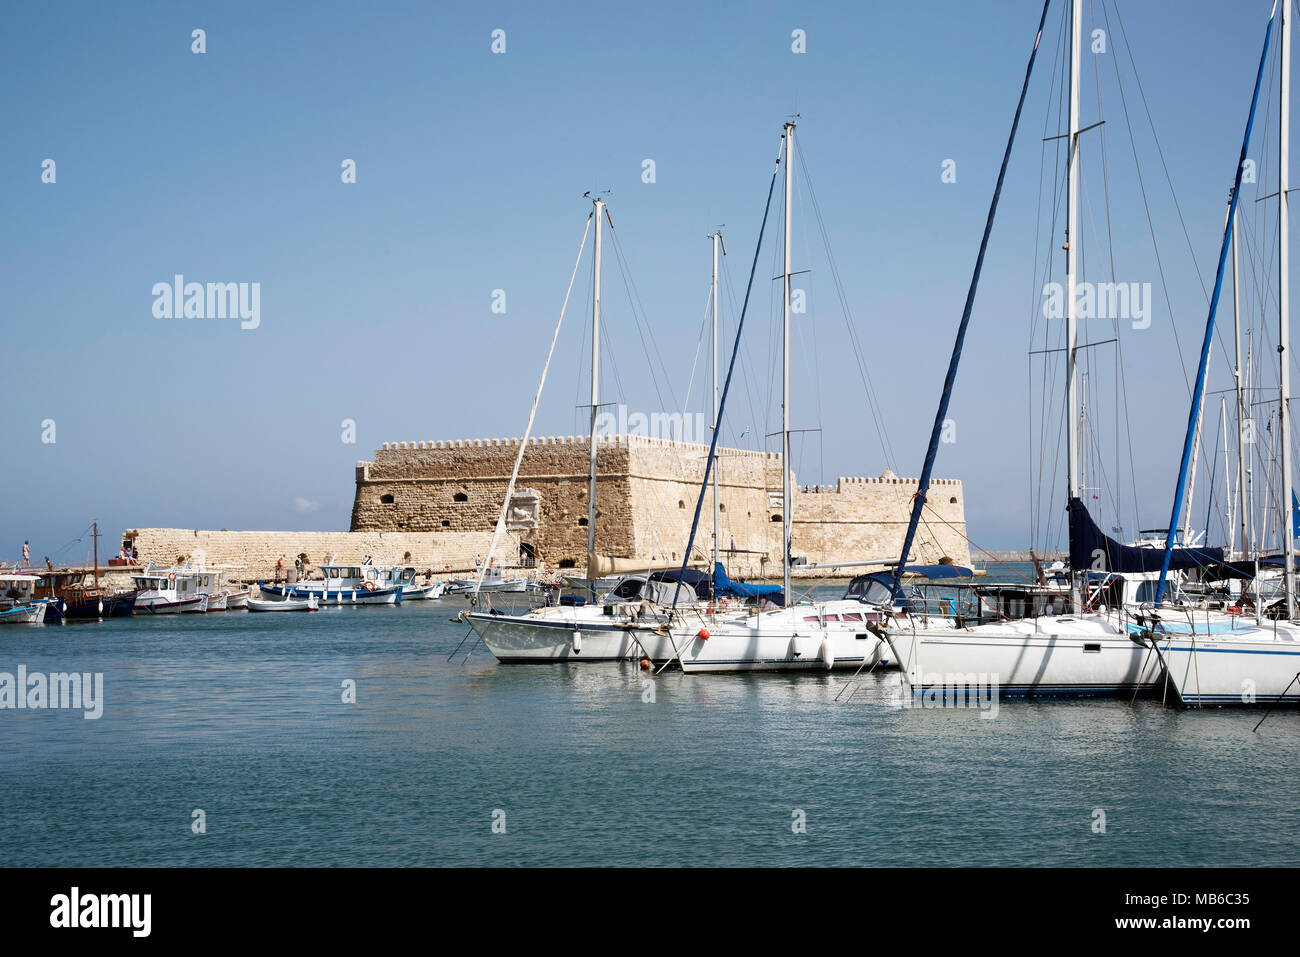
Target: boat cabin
x: 167, y: 586
x: 18, y: 589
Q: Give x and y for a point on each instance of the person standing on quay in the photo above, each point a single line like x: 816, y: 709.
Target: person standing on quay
x: 27, y: 554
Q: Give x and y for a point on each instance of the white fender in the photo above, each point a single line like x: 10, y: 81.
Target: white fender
x: 826, y: 655
x: 577, y: 642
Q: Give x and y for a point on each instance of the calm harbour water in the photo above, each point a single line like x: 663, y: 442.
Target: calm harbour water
x: 241, y: 715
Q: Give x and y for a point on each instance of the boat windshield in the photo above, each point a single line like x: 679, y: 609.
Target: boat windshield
x: 874, y: 589
x: 629, y: 589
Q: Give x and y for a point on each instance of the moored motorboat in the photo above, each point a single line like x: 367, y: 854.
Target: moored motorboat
x: 284, y: 604
x: 494, y: 580
x: 368, y: 594
x: 24, y: 613
x: 362, y: 584
x: 159, y: 593
x: 425, y: 592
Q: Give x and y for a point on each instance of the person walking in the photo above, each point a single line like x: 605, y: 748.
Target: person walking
x: 27, y: 554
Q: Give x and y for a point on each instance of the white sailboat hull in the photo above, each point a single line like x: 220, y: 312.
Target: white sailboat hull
x: 820, y: 637
x: 1256, y: 667
x: 1081, y: 655
x: 540, y: 638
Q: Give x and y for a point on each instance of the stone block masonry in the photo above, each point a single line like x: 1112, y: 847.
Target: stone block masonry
x: 435, y: 505
x: 646, y: 496
x: 256, y: 552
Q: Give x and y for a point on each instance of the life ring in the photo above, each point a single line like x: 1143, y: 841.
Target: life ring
x: 369, y: 586
x: 171, y: 576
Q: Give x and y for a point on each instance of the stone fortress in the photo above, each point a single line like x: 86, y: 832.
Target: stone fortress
x: 435, y: 505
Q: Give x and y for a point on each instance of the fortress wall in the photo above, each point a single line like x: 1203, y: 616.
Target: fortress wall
x: 665, y: 486
x: 440, y: 501
x: 447, y: 487
x: 258, y: 551
x: 862, y: 518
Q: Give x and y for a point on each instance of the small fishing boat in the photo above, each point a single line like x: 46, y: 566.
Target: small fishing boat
x: 493, y: 580
x: 284, y: 604
x: 18, y: 601
x: 427, y: 591
x: 222, y: 595
x: 238, y: 599
x: 362, y: 584
x: 367, y: 594
x: 24, y: 613
x: 76, y: 594
x: 169, y: 593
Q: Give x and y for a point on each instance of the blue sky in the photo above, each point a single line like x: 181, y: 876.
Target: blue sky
x: 375, y: 296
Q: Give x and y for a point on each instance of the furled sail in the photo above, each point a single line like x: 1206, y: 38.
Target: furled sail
x: 1092, y: 549
x: 600, y: 566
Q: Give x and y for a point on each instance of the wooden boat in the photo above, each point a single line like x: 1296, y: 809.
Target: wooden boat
x: 284, y: 604
x: 427, y: 591
x: 24, y: 613
x: 76, y: 594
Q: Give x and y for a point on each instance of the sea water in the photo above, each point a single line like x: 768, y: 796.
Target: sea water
x: 361, y: 736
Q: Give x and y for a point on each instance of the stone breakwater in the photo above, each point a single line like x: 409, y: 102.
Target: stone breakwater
x: 255, y: 553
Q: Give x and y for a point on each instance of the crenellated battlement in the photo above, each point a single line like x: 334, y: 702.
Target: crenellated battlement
x: 604, y: 441
x: 889, y: 479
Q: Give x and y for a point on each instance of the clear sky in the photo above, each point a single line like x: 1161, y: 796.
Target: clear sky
x: 471, y: 166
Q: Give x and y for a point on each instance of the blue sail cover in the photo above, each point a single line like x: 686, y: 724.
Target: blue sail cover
x: 1091, y: 548
x: 724, y: 587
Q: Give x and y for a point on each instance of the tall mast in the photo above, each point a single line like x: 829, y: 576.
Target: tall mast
x: 717, y: 239
x: 1227, y: 474
x: 94, y: 537
x: 1243, y: 501
x: 595, y: 389
x: 1071, y: 279
x: 1283, y: 297
x: 785, y: 371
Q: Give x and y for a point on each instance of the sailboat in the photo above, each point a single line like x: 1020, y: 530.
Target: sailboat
x: 814, y: 636
x: 1226, y: 658
x: 1094, y: 648
x: 625, y: 622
